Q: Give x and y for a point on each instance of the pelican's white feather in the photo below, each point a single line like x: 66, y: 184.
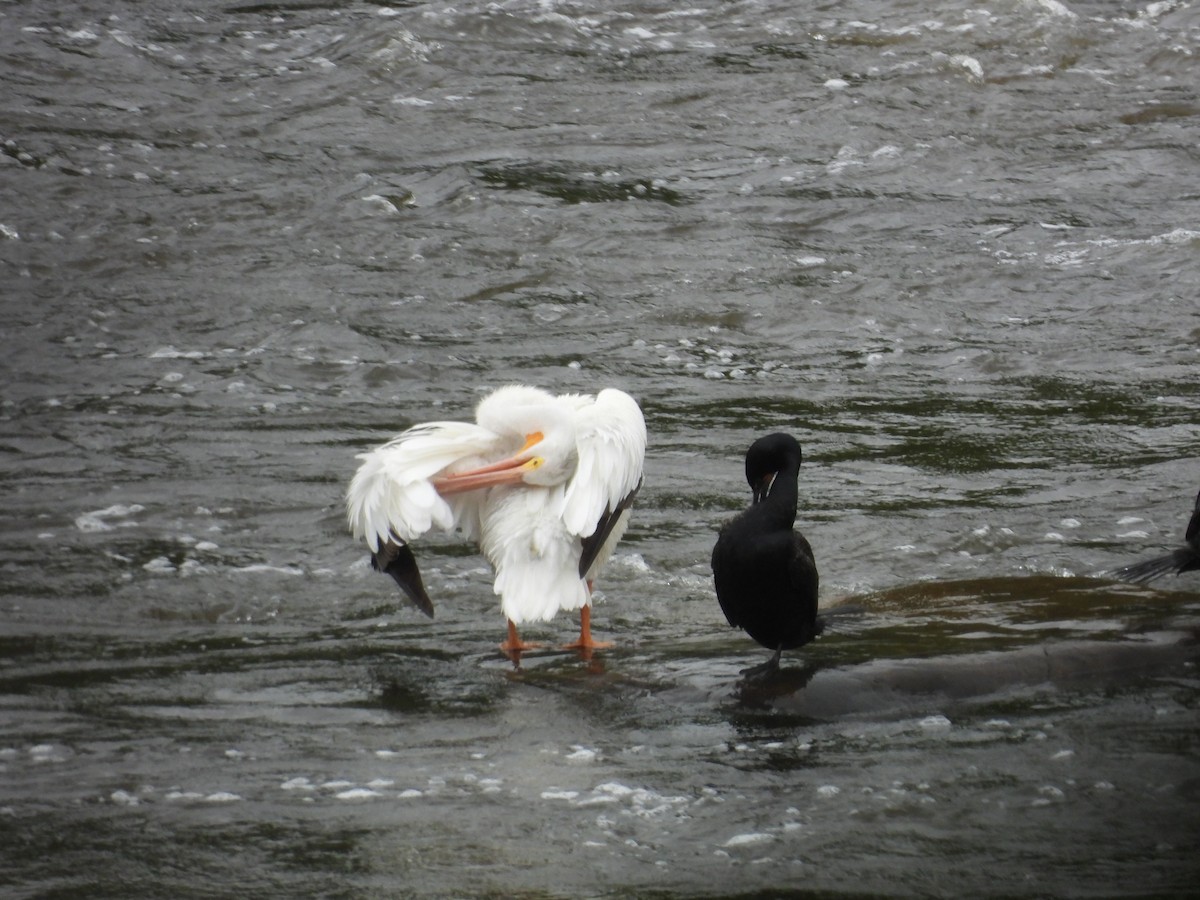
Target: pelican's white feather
x: 611, y: 437
x: 392, y: 492
x: 536, y: 560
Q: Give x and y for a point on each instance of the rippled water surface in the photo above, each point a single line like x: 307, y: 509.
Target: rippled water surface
x: 953, y: 248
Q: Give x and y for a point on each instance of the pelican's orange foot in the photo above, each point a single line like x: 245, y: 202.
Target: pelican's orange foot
x: 586, y: 644
x: 512, y: 646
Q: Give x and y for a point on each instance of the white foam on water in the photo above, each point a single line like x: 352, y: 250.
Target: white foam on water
x: 48, y: 753
x: 124, y: 798
x: 184, y: 796
x: 171, y: 352
x: 222, y: 797
x: 97, y: 520
x: 358, y: 793
x: 581, y: 754
x: 749, y: 839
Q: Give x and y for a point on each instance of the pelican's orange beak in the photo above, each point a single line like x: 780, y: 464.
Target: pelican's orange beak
x: 510, y: 470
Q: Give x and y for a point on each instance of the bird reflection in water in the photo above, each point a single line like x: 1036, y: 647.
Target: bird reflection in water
x: 761, y: 686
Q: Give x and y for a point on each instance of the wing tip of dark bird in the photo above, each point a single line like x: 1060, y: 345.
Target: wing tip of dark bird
x: 1175, y: 562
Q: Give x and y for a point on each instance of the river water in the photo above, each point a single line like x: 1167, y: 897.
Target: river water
x: 953, y: 247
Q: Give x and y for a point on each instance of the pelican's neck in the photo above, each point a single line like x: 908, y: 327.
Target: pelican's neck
x: 542, y: 422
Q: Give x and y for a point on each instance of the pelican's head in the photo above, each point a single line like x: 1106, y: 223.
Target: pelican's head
x: 547, y: 455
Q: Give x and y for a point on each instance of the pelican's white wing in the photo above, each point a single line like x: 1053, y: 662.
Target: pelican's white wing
x: 392, y: 493
x: 611, y: 439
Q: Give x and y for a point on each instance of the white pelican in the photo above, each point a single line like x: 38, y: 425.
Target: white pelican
x: 542, y: 483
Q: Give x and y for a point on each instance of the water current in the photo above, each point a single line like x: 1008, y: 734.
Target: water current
x: 953, y: 247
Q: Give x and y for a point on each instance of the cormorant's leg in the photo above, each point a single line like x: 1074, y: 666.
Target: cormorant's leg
x: 771, y: 665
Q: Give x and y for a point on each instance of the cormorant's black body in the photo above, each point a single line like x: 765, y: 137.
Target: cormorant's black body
x: 1185, y: 559
x: 763, y: 570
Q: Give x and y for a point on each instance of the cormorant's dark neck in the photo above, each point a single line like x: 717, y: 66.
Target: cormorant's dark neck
x: 779, y: 507
x: 1192, y: 535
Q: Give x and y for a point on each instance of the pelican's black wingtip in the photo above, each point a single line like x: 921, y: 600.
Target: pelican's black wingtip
x: 397, y: 560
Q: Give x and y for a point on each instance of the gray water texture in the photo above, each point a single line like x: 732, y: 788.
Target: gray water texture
x: 954, y: 248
